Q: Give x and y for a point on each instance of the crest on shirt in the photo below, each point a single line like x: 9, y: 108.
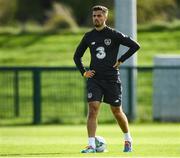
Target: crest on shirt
x: 107, y: 41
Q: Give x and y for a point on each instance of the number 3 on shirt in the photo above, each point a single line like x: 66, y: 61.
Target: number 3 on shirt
x: 101, y: 54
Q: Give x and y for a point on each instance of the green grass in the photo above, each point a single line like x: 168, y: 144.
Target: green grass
x: 38, y: 49
x: 150, y: 140
x: 46, y: 49
x: 155, y: 43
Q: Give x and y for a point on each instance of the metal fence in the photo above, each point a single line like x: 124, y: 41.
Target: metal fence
x: 57, y: 95
x: 41, y: 95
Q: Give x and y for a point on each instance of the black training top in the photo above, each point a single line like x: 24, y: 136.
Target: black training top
x: 104, y: 46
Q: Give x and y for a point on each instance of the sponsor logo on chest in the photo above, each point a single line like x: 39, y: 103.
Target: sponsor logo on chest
x: 93, y: 43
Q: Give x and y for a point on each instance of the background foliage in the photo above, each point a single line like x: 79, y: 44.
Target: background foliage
x: 8, y: 9
x: 163, y: 10
x: 44, y: 12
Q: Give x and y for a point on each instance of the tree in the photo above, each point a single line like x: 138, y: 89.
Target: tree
x: 7, y: 11
x: 32, y: 10
x: 82, y: 8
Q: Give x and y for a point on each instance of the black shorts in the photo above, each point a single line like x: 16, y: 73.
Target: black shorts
x: 104, y: 90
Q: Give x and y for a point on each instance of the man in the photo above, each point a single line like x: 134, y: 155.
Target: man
x: 103, y: 80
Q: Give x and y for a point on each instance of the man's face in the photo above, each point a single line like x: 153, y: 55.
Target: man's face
x: 99, y: 18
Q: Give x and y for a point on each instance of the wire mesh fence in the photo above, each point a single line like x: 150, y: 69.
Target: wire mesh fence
x: 61, y: 95
x: 58, y: 95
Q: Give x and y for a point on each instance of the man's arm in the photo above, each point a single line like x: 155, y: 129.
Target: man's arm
x: 78, y: 55
x: 128, y: 42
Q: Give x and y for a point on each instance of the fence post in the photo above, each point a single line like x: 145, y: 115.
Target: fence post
x: 16, y: 93
x: 36, y: 96
x: 131, y: 94
x: 85, y: 98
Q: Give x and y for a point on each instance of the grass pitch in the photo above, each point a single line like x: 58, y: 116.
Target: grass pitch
x: 37, y: 49
x: 150, y: 140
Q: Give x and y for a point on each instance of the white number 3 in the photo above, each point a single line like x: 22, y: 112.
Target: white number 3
x: 101, y: 54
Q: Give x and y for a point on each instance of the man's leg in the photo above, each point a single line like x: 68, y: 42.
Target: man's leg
x: 124, y: 125
x: 92, y: 118
x: 121, y: 118
x: 92, y: 125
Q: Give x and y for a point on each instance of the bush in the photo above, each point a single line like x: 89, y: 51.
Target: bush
x: 7, y: 11
x: 156, y: 10
x: 60, y: 17
x: 82, y: 9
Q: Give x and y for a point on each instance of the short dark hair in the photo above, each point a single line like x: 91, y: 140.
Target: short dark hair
x: 100, y: 7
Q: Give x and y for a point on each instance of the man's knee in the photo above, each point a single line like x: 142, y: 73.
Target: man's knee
x: 117, y: 111
x: 93, y: 110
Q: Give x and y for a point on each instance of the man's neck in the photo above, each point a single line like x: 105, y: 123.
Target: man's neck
x: 100, y: 28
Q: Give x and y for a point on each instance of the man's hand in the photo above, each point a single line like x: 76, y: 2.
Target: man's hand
x: 117, y: 64
x: 89, y: 74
